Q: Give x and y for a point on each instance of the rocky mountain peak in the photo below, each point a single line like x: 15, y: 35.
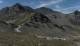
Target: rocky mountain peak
x: 18, y: 7
x: 76, y: 12
x: 46, y: 11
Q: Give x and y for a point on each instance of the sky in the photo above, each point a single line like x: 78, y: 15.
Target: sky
x: 65, y: 6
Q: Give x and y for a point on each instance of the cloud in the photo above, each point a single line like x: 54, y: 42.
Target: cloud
x: 1, y: 1
x: 69, y: 9
x: 72, y: 8
x: 57, y: 7
x: 49, y: 3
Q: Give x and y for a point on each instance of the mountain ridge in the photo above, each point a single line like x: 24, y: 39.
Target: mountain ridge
x: 46, y: 21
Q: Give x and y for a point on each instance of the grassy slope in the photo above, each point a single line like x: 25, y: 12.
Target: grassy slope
x: 24, y: 18
x: 28, y: 39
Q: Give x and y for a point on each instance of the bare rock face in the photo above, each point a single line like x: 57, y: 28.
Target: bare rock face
x: 17, y: 7
x: 75, y: 17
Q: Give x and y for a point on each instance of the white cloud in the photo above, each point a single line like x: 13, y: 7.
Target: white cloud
x: 1, y: 1
x: 58, y: 7
x: 49, y: 3
x: 72, y: 8
x: 69, y: 9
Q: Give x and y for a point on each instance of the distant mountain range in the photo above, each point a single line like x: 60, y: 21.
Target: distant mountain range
x: 43, y: 21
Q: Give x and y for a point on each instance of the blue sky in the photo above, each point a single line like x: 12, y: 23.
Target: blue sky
x: 65, y: 6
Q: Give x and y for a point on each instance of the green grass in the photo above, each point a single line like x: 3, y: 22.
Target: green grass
x: 23, y: 19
